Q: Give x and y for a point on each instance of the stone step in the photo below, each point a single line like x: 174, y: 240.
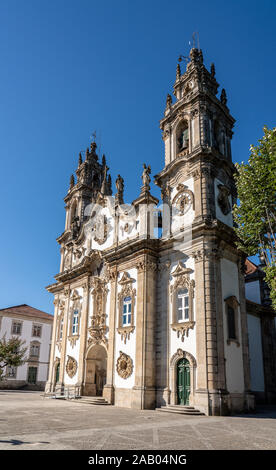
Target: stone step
x: 93, y: 400
x: 179, y: 409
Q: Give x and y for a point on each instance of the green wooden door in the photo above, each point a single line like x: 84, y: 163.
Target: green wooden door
x: 57, y: 372
x: 32, y: 375
x: 183, y: 382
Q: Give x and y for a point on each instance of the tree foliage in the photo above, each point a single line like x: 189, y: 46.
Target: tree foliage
x: 12, y: 353
x: 255, y: 214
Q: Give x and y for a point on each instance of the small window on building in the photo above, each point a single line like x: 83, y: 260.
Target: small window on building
x: 183, y: 305
x: 61, y: 328
x: 127, y: 311
x: 11, y: 372
x: 37, y: 329
x: 231, y: 322
x: 75, y: 324
x: 34, y: 350
x: 16, y: 328
x: 232, y: 319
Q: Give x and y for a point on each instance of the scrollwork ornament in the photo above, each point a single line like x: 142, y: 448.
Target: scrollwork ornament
x: 124, y: 365
x: 71, y: 366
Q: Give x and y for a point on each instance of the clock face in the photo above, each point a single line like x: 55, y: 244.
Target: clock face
x: 183, y: 203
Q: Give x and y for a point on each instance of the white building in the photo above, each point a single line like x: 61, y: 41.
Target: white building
x: 35, y: 328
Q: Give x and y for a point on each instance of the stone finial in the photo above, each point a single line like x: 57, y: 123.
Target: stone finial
x: 223, y: 97
x: 80, y: 159
x: 200, y: 57
x: 87, y: 153
x: 213, y: 70
x: 146, y: 178
x: 119, y: 196
x: 72, y: 181
x: 178, y: 72
x: 93, y: 147
x: 109, y: 184
x: 169, y: 101
x: 104, y: 187
x: 103, y: 161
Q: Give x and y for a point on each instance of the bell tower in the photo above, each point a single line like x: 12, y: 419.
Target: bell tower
x: 197, y: 185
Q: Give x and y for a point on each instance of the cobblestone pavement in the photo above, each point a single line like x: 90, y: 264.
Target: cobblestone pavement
x: 30, y: 421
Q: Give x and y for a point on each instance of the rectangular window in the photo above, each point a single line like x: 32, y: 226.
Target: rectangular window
x: 183, y: 305
x: 231, y: 322
x: 127, y: 311
x: 75, y: 326
x: 16, y: 328
x: 34, y: 350
x: 37, y: 330
x: 11, y: 372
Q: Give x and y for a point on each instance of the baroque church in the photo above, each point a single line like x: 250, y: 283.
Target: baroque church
x: 150, y: 307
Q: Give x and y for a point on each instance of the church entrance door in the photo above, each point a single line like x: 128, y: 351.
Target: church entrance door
x: 95, y: 378
x: 183, y: 381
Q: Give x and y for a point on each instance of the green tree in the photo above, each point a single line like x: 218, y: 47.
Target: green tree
x: 12, y: 353
x: 255, y: 214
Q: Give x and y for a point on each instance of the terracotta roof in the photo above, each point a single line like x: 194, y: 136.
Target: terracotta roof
x: 27, y: 311
x: 250, y: 267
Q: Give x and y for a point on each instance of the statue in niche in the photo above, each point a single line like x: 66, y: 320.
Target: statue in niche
x: 223, y: 199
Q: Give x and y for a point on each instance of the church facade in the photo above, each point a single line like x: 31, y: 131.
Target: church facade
x: 150, y: 305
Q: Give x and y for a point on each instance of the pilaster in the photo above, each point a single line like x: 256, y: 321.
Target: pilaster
x: 108, y: 391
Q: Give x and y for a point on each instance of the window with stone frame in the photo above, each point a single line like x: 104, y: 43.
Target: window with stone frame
x: 126, y: 302
x: 34, y: 350
x: 37, y: 330
x: 74, y: 315
x: 182, y: 295
x: 60, y: 329
x: 11, y: 372
x: 232, y: 319
x: 16, y: 328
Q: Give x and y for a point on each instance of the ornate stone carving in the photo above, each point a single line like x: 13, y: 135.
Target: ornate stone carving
x: 182, y: 281
x: 124, y: 365
x: 223, y: 199
x: 71, y: 366
x: 183, y: 200
x: 180, y: 354
x: 100, y: 229
x: 98, y: 327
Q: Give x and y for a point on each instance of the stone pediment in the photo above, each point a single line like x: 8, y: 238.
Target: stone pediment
x: 180, y: 269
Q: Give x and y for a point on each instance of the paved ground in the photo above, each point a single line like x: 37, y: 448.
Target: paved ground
x: 30, y: 421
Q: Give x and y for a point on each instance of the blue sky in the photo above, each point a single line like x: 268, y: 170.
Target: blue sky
x: 71, y: 67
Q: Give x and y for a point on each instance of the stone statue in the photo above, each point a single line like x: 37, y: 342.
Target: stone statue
x: 146, y: 176
x: 119, y: 197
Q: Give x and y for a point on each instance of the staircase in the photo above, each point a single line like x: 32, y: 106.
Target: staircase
x: 180, y: 409
x: 92, y: 400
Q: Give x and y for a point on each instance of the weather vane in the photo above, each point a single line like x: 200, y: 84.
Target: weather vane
x: 93, y: 136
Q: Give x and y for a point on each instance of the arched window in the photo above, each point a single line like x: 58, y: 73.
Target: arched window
x: 182, y: 305
x: 126, y: 320
x: 75, y: 322
x: 182, y: 137
x: 73, y: 212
